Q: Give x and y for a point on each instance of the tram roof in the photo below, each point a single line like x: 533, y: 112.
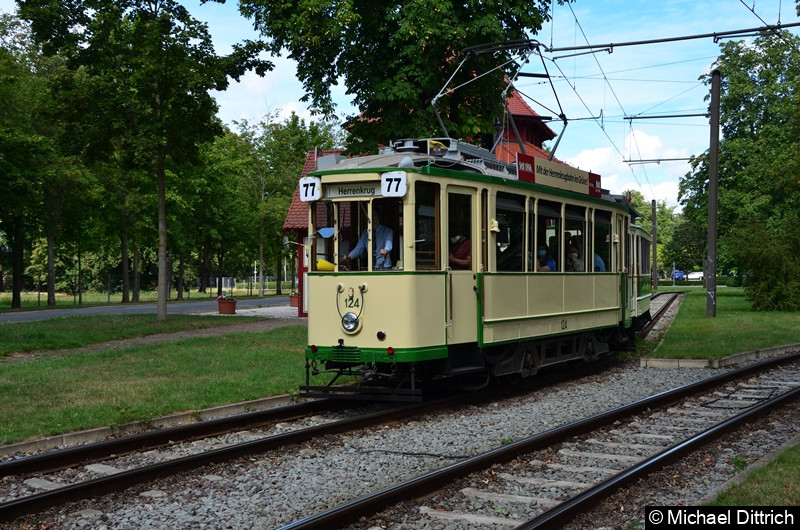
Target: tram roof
x: 444, y: 154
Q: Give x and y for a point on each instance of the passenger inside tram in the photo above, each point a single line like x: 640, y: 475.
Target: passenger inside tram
x: 545, y: 262
x: 460, y: 251
x: 574, y: 262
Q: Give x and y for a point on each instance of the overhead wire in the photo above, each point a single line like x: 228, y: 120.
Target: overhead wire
x: 607, y: 83
x: 606, y: 79
x: 771, y: 28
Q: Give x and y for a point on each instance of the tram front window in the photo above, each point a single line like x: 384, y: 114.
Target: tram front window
x: 358, y: 241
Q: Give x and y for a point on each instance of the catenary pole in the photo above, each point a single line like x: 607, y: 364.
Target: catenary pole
x: 654, y: 247
x: 710, y: 274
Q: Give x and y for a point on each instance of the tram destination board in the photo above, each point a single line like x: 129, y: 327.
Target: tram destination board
x: 557, y: 175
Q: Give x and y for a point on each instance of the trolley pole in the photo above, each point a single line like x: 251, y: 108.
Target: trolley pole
x: 710, y: 274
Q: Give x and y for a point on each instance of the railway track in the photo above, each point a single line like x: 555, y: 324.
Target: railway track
x: 81, y: 454
x: 109, y: 461
x: 660, y: 304
x: 546, y: 480
x: 111, y: 473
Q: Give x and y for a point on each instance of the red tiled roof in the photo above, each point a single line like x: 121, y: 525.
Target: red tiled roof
x: 297, y: 216
x: 528, y: 122
x: 518, y: 107
x: 507, y: 151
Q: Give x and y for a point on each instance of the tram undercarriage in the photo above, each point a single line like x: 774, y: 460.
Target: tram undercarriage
x: 467, y: 367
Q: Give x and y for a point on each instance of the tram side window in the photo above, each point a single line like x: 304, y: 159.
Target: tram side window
x: 426, y: 223
x: 575, y: 239
x: 548, y: 234
x: 510, y: 218
x: 645, y: 246
x: 602, y: 241
x: 459, y: 208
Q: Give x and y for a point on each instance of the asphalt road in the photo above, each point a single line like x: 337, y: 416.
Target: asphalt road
x: 204, y: 306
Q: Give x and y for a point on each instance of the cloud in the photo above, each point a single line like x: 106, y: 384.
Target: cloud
x: 658, y: 181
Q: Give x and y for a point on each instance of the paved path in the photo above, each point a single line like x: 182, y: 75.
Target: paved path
x: 273, y: 316
x: 190, y: 307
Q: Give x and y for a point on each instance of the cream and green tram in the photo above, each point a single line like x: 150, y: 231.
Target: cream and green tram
x: 432, y: 259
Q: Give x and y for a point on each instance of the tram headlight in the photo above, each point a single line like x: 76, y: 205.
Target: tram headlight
x: 350, y: 322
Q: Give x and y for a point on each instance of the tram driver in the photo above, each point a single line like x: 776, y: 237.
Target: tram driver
x: 382, y: 237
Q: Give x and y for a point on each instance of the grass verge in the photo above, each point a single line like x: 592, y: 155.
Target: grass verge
x: 775, y: 484
x: 139, y: 383
x: 76, y: 332
x: 735, y: 329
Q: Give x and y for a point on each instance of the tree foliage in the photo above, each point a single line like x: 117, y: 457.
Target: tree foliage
x: 759, y: 160
x: 27, y: 151
x: 153, y: 66
x: 278, y: 154
x: 667, y: 222
x: 394, y: 57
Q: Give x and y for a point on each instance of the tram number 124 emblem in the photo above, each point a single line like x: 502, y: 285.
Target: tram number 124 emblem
x: 393, y: 184
x: 351, y: 301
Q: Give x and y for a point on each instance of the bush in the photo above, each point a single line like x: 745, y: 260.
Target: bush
x: 770, y: 257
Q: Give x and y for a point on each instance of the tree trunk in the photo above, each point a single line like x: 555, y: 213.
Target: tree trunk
x: 293, y: 269
x: 136, y: 278
x: 278, y: 276
x: 123, y: 239
x: 51, y: 268
x: 261, y: 259
x: 17, y: 240
x: 80, y: 277
x: 205, y: 272
x: 169, y: 275
x: 181, y: 270
x: 220, y: 257
x: 161, y: 313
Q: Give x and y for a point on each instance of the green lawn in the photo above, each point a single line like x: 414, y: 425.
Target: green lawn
x: 775, y: 484
x: 103, y: 389
x: 735, y: 329
x: 75, y: 332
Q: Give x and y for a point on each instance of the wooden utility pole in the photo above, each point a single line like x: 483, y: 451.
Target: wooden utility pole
x: 710, y: 274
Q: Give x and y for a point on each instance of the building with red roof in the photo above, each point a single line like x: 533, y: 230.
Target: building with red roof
x: 297, y: 223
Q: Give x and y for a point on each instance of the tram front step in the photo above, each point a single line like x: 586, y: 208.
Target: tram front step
x: 461, y: 370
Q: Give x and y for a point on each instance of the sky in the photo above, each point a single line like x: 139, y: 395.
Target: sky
x: 631, y: 81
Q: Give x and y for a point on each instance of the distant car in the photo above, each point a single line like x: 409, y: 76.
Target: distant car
x: 696, y: 275
x: 678, y: 275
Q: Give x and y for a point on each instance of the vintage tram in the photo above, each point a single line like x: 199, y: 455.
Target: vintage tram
x: 434, y: 260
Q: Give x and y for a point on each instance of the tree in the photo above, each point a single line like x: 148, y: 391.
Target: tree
x: 155, y: 66
x: 279, y: 152
x: 394, y: 57
x: 759, y: 163
x: 666, y: 221
x: 25, y: 153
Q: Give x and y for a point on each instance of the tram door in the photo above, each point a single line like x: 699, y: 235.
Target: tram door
x: 462, y: 259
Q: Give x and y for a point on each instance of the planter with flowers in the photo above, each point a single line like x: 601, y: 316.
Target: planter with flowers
x: 294, y: 300
x: 226, y: 306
